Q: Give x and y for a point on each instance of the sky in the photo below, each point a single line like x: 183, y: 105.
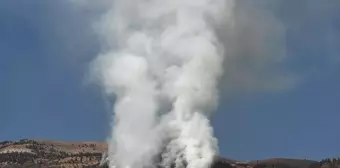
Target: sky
x: 46, y: 47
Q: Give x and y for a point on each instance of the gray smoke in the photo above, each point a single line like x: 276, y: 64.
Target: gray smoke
x: 163, y: 60
x: 167, y: 62
x: 169, y: 51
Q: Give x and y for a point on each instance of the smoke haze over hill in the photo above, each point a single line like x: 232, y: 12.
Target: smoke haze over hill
x: 288, y: 48
x: 164, y: 60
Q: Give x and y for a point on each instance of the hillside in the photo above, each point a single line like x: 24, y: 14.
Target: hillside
x: 45, y: 153
x: 56, y: 154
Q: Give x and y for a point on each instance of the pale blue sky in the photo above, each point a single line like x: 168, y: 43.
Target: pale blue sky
x: 46, y: 45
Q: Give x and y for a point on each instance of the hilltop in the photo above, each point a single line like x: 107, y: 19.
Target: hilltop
x: 27, y: 153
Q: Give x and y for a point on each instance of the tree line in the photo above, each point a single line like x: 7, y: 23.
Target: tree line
x: 332, y: 162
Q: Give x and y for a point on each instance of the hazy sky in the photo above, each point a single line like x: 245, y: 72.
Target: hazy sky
x: 46, y: 46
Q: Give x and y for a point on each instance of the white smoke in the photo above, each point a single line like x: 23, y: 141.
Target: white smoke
x: 163, y: 53
x: 163, y: 60
x: 155, y: 60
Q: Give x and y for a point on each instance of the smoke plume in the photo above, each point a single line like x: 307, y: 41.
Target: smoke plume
x: 163, y: 61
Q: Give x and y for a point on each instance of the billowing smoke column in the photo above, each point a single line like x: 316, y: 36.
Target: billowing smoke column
x: 163, y: 62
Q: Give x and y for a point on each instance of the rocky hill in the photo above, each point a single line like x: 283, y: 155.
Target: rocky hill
x: 55, y: 154
x: 44, y: 153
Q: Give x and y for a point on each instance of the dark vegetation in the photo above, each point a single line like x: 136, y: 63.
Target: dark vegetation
x: 331, y: 162
x: 221, y: 164
x: 278, y: 165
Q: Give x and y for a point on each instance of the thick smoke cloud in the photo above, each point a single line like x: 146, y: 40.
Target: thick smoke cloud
x: 165, y: 61
x: 177, y: 51
x: 168, y: 50
x: 309, y: 27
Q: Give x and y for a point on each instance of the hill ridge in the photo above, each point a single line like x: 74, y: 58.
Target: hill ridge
x: 70, y: 154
